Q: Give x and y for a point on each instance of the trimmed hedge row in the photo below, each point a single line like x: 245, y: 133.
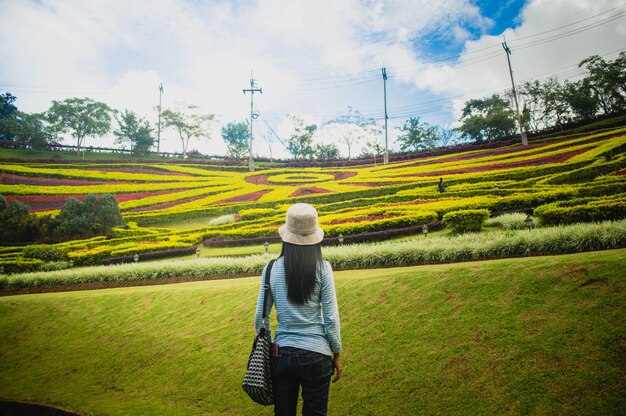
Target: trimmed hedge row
x: 440, y: 249
x: 154, y: 255
x: 558, y: 213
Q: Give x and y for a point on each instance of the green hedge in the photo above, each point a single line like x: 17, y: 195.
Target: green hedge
x: 558, y: 213
x: 45, y: 252
x: 436, y: 249
x: 466, y: 220
x: 21, y: 265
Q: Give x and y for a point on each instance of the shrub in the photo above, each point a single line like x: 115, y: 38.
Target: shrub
x: 563, y: 213
x: 224, y: 219
x: 511, y: 221
x: 20, y: 265
x: 464, y: 221
x: 45, y: 252
x: 162, y: 254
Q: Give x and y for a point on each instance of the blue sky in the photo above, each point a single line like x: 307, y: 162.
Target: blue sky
x: 311, y: 58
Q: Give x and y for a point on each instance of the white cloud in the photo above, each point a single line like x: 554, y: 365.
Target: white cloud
x: 316, y: 58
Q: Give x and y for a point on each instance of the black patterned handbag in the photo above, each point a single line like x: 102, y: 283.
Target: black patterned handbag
x: 258, y: 379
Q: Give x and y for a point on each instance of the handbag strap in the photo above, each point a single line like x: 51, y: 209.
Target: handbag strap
x: 268, y: 271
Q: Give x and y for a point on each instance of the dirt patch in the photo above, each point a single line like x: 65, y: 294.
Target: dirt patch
x: 501, y: 166
x: 258, y: 180
x: 343, y: 175
x: 309, y: 191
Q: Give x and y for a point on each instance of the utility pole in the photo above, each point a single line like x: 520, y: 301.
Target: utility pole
x: 519, y: 117
x: 252, y: 90
x: 159, y: 124
x: 386, y: 157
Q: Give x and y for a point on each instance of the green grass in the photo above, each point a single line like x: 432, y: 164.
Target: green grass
x: 540, y: 335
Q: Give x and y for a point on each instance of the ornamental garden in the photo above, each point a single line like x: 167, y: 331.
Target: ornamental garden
x: 557, y: 180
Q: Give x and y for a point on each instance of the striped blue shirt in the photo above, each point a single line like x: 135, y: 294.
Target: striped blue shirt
x: 313, y: 326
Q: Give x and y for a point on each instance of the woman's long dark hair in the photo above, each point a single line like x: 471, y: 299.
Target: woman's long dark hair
x: 300, y: 267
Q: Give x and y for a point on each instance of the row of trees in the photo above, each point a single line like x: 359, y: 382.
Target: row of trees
x: 83, y: 117
x: 77, y: 219
x: 545, y: 104
x: 549, y: 103
x: 305, y: 140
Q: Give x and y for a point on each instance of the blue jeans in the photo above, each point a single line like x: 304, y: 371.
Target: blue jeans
x: 294, y: 368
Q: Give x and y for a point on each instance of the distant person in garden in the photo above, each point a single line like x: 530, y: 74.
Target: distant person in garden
x: 307, y: 343
x: 441, y: 186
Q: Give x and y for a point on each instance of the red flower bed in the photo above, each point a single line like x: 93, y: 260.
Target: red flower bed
x: 361, y: 219
x: 254, y: 196
x: 309, y: 191
x: 11, y: 179
x: 619, y: 173
x: 473, y: 155
x: 49, y: 202
x: 501, y: 166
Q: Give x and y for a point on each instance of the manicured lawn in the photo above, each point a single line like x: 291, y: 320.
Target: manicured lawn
x: 539, y: 335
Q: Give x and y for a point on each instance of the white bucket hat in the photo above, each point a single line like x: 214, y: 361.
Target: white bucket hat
x: 301, y: 226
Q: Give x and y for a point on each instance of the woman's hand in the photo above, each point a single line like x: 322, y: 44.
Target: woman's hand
x: 337, y: 366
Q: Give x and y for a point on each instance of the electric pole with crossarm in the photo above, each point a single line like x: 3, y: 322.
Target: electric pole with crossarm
x: 253, y: 115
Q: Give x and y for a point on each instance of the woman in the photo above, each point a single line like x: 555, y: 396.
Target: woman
x: 307, y: 341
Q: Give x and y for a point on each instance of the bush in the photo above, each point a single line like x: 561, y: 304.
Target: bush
x: 563, y: 213
x: 511, y: 221
x: 20, y: 265
x: 45, y: 252
x: 224, y: 219
x: 155, y: 255
x: 465, y: 221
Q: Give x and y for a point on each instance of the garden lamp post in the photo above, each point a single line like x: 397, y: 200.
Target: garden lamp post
x: 136, y: 258
x: 425, y: 230
x: 71, y: 263
x: 529, y: 222
x: 198, y: 252
x: 267, y: 246
x: 340, y: 238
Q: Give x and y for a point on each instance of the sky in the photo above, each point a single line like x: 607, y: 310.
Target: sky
x: 318, y: 59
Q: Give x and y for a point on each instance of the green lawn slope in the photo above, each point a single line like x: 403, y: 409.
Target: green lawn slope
x: 540, y: 335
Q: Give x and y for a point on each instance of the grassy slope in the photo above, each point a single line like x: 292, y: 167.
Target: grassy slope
x: 543, y: 335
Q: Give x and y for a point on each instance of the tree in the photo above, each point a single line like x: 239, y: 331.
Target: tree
x: 416, y: 136
x: 81, y: 118
x: 486, y: 119
x: 236, y: 136
x: 607, y: 80
x: 352, y: 127
x: 133, y: 130
x: 300, y: 144
x: 372, y: 148
x: 188, y: 123
x: 579, y: 96
x: 7, y: 109
x: 26, y: 130
x: 90, y: 217
x: 326, y: 151
x: 11, y: 217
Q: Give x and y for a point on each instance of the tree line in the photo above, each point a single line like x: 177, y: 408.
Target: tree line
x: 545, y: 105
